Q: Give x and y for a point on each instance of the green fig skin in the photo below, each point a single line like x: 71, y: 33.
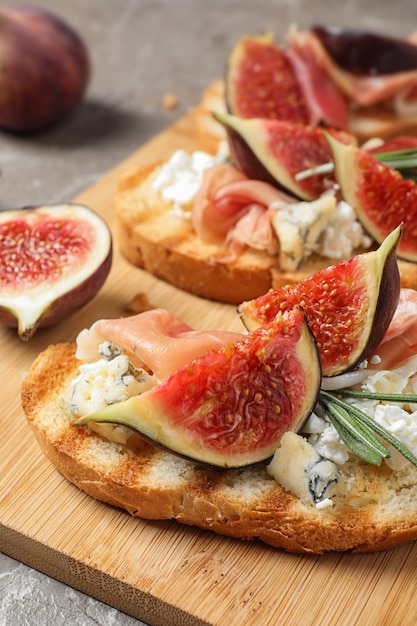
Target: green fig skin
x: 230, y: 408
x: 349, y: 305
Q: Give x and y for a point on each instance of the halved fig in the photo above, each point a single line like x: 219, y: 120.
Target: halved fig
x: 230, y: 407
x: 379, y: 195
x: 54, y: 259
x: 275, y: 151
x: 364, y: 52
x: 349, y: 305
x: 260, y: 82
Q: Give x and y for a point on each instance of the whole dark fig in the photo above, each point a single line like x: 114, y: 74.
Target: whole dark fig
x: 44, y: 69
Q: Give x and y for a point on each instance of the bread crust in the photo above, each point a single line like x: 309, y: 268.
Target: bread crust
x: 376, y: 509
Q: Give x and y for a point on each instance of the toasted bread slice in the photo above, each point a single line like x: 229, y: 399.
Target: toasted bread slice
x: 375, y: 508
x: 152, y: 237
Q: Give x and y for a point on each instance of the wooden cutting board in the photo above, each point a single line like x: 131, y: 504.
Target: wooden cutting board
x: 162, y: 572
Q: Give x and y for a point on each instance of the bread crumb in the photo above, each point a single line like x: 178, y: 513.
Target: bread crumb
x: 169, y: 101
x: 138, y: 304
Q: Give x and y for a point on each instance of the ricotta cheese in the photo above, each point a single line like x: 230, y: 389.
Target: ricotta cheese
x: 179, y: 179
x: 342, y: 235
x: 398, y: 419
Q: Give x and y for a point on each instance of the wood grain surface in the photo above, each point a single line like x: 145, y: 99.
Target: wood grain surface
x: 162, y: 572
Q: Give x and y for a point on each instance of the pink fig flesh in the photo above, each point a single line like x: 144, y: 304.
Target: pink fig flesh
x: 54, y: 259
x: 381, y: 198
x: 275, y: 152
x: 349, y: 306
x: 230, y: 407
x: 260, y: 82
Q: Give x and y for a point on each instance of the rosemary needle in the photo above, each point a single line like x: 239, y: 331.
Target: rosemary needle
x: 357, y: 436
x: 402, y: 160
x: 358, y: 430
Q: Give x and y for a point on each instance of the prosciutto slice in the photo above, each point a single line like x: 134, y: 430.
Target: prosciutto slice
x: 229, y: 202
x: 156, y: 339
x: 325, y: 103
x: 364, y: 89
x: 400, y: 340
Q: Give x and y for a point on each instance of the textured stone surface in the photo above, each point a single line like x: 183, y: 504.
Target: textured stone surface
x: 140, y: 50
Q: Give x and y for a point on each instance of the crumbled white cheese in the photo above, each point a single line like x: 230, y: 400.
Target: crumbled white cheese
x: 398, y: 419
x: 324, y: 504
x: 179, y: 179
x: 329, y: 445
x: 105, y: 382
x: 299, y: 227
x: 343, y: 234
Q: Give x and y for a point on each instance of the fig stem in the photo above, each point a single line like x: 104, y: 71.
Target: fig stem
x: 350, y: 419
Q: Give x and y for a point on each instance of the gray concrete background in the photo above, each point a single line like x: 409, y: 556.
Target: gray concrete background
x: 140, y: 50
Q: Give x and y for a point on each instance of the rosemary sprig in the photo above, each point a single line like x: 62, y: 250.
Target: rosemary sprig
x: 358, y: 437
x: 403, y: 160
x: 403, y: 398
x: 360, y: 432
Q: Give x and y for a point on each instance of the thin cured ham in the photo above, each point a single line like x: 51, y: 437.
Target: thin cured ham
x: 362, y: 87
x: 254, y: 230
x: 325, y: 103
x: 400, y: 341
x: 212, y: 216
x: 155, y: 339
x: 229, y: 202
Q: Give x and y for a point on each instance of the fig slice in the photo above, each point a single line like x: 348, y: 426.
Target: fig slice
x: 365, y: 53
x: 275, y: 151
x: 54, y: 259
x: 230, y: 407
x: 349, y: 305
x: 260, y: 82
x: 380, y: 196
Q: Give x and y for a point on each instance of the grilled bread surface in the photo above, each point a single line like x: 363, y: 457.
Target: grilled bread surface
x: 375, y: 508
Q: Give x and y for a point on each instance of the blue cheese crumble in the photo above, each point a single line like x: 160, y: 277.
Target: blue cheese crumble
x: 105, y: 382
x: 300, y: 469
